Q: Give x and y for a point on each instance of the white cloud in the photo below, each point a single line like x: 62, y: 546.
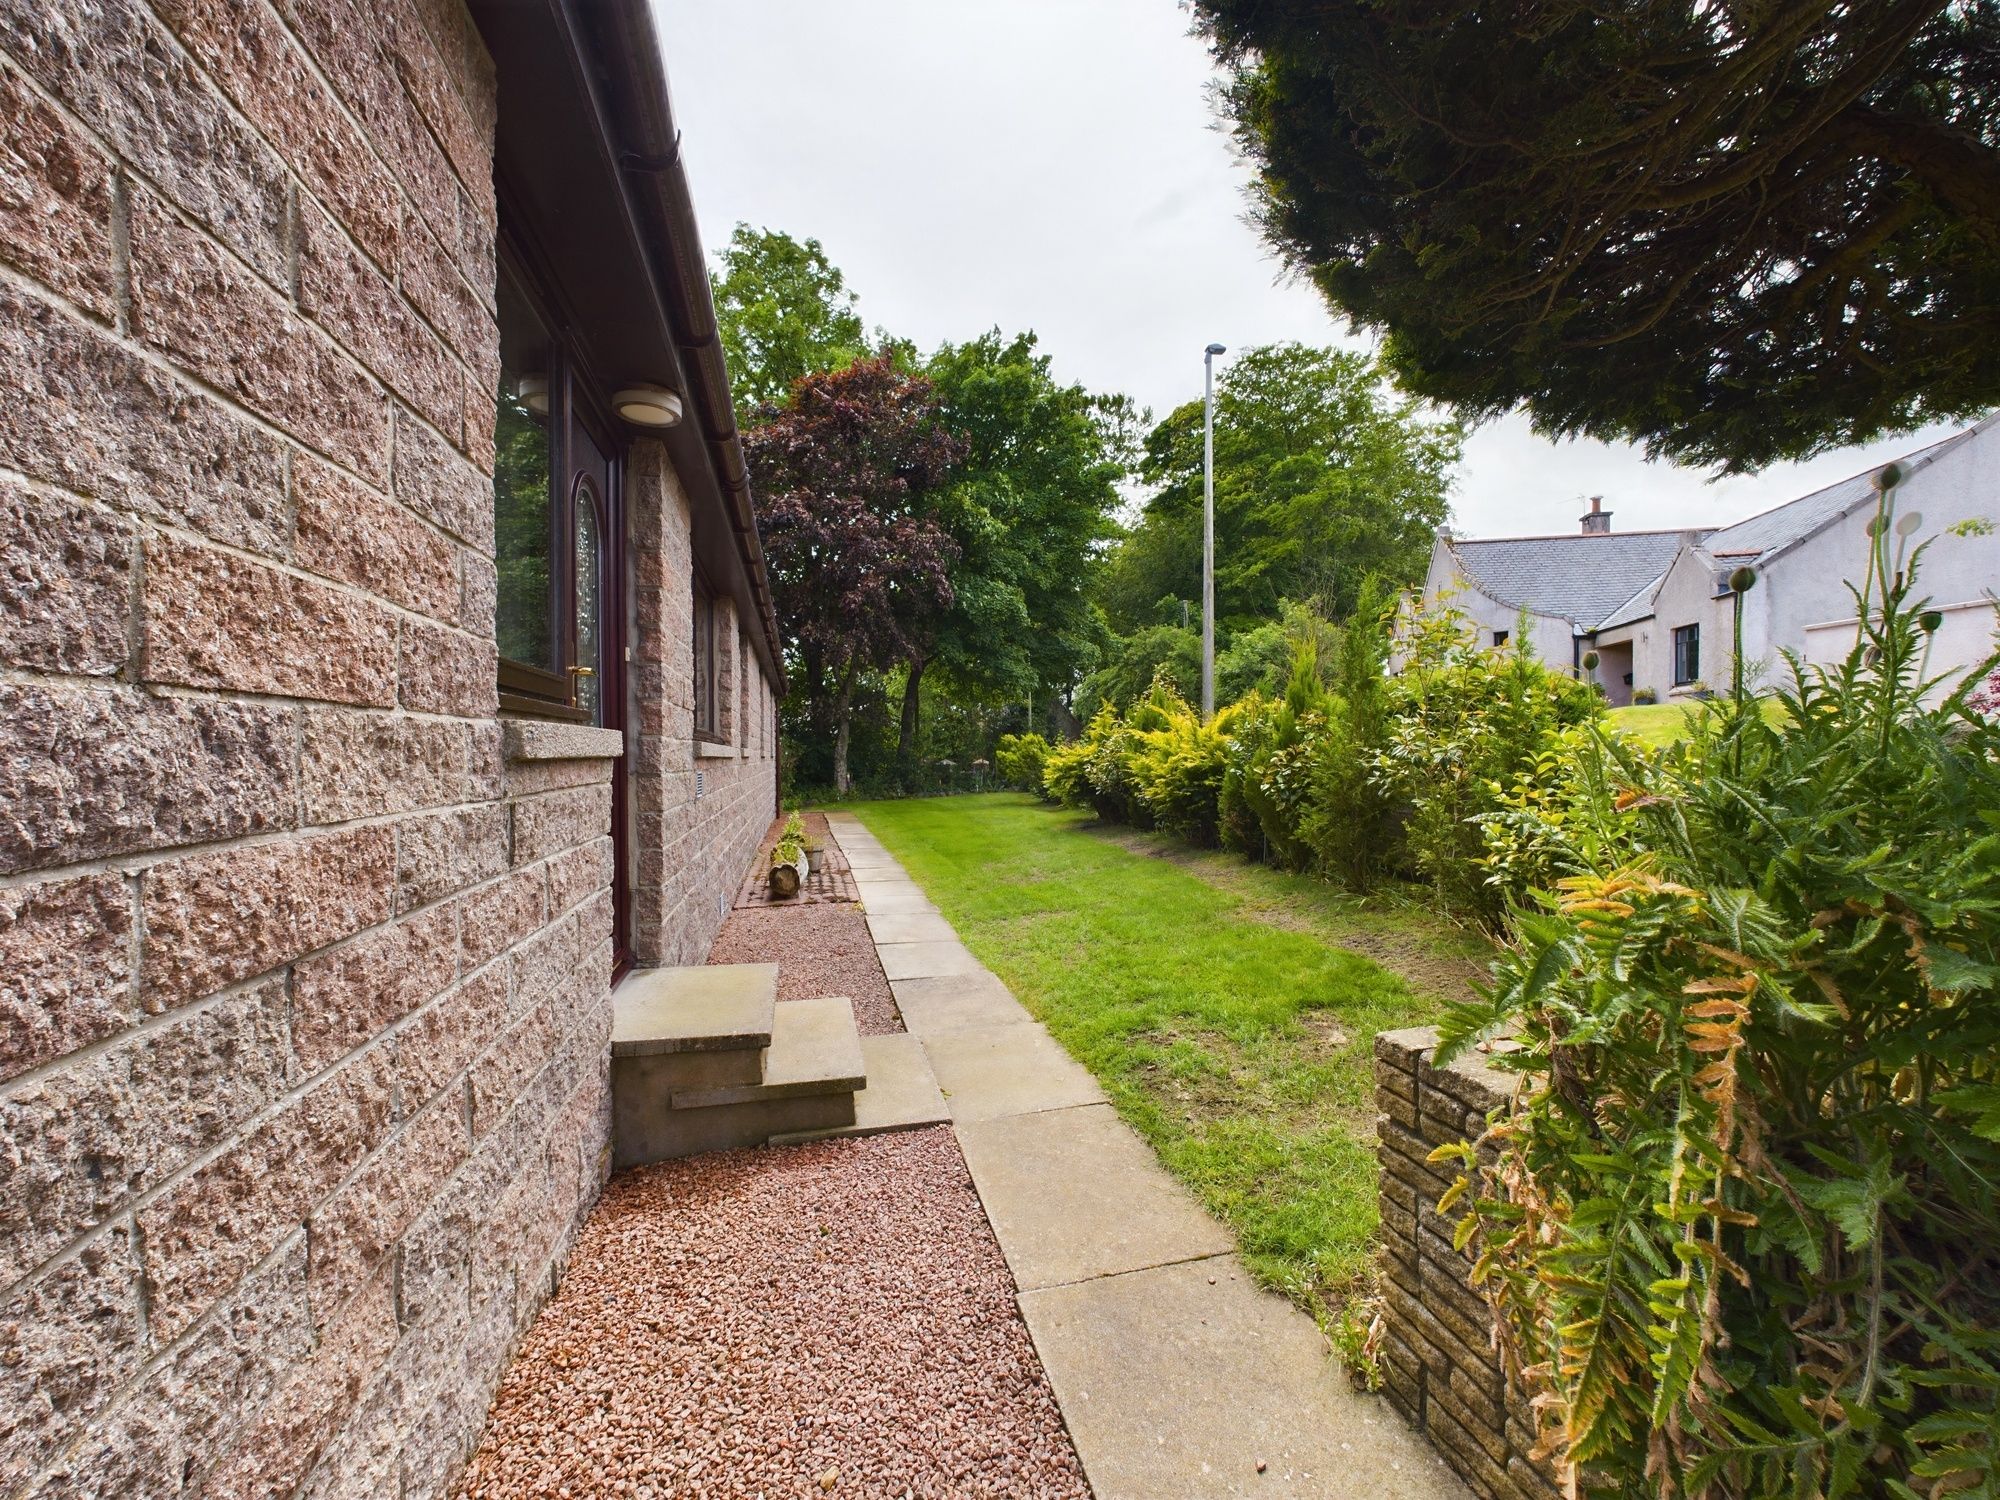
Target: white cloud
x: 1054, y: 165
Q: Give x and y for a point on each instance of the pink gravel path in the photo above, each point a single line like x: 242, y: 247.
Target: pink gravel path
x: 819, y: 950
x: 827, y: 1319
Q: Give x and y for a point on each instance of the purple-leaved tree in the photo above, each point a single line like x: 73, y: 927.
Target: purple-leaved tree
x: 846, y: 478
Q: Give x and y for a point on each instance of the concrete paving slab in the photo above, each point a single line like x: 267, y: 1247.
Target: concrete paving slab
x: 957, y: 1002
x: 875, y: 867
x: 1177, y: 1380
x: 892, y: 896
x: 1074, y: 1193
x: 902, y: 1091
x: 926, y: 960
x: 910, y: 927
x: 1006, y: 1070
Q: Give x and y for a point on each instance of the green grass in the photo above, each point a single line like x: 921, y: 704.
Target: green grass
x: 1661, y: 724
x: 1657, y: 724
x: 1219, y: 1004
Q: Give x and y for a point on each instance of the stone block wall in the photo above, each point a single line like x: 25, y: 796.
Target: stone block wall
x: 304, y: 955
x: 1441, y: 1368
x: 699, y: 810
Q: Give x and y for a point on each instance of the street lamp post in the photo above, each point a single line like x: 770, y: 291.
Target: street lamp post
x: 1208, y: 530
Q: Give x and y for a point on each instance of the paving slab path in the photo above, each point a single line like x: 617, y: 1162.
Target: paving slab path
x: 1176, y: 1375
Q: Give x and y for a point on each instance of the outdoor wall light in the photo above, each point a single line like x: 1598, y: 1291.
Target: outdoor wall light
x: 648, y: 405
x: 532, y: 391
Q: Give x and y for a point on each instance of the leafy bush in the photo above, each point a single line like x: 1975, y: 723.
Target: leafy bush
x: 1276, y: 779
x: 1464, y: 725
x: 1066, y: 772
x: 1096, y: 772
x: 1742, y: 1220
x: 1180, y: 768
x: 1022, y: 761
x: 1348, y: 821
x: 1245, y: 750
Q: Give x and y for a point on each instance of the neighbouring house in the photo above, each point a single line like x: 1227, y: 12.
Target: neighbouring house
x: 1657, y: 608
x: 387, y: 667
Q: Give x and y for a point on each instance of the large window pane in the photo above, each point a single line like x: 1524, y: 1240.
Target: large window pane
x: 524, y: 538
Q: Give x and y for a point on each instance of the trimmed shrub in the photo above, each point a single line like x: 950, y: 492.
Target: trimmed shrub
x: 1022, y: 761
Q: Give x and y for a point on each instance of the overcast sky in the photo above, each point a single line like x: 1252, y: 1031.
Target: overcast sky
x: 1054, y: 165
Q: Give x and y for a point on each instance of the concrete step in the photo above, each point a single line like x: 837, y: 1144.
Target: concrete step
x: 812, y: 1070
x: 704, y: 1027
x: 815, y: 1049
x: 902, y: 1093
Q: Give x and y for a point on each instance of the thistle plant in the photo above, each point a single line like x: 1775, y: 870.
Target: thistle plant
x: 1741, y: 1219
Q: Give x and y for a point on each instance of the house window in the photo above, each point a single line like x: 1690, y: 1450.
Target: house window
x: 1687, y: 654
x: 524, y: 531
x: 1499, y: 639
x: 707, y: 674
x: 554, y: 519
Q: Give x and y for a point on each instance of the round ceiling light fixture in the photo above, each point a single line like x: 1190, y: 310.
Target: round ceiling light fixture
x: 532, y: 391
x: 648, y: 405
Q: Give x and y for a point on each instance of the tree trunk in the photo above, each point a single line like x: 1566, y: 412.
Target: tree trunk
x: 843, y: 705
x: 906, y: 739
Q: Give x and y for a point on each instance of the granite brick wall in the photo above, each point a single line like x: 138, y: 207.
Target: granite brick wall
x: 699, y: 810
x: 1442, y: 1370
x: 304, y: 954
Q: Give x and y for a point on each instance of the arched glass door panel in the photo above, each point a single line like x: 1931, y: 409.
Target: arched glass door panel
x: 588, y: 666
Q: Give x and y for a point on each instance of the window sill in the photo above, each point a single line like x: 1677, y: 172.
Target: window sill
x: 708, y: 750
x: 546, y: 739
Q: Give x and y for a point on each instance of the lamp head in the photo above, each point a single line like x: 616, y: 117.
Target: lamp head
x: 1215, y: 349
x: 648, y: 406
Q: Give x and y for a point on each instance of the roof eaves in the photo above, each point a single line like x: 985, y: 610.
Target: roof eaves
x: 1926, y: 456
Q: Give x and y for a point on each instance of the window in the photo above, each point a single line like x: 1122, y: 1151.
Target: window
x: 707, y: 674
x: 524, y: 530
x: 1499, y: 639
x: 1687, y: 654
x: 554, y: 519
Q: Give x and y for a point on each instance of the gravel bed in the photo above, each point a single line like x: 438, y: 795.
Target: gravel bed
x: 827, y: 1319
x: 819, y: 950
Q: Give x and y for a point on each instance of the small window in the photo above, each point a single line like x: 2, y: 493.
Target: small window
x: 1499, y: 638
x: 1687, y: 654
x: 707, y: 683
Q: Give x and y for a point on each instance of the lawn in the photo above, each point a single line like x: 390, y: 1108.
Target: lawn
x: 1223, y: 1006
x: 1661, y: 724
x: 1656, y: 724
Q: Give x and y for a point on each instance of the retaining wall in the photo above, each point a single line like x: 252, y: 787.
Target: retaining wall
x: 1441, y: 1368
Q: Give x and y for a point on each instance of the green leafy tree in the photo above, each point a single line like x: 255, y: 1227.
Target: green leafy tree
x: 1031, y: 507
x: 1322, y: 477
x: 1734, y: 232
x: 784, y: 312
x: 1164, y: 653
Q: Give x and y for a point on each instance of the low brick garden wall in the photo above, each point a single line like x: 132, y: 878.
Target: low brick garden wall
x: 1441, y: 1369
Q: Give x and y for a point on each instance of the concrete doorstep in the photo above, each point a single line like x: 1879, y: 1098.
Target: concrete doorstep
x: 1177, y: 1377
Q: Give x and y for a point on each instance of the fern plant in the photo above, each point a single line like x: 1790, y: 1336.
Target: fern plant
x: 1741, y: 1220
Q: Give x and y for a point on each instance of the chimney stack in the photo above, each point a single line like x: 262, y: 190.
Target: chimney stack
x: 1597, y: 520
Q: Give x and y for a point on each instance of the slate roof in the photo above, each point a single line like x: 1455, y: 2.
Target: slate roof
x: 1760, y: 536
x: 1638, y: 607
x: 1582, y: 579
